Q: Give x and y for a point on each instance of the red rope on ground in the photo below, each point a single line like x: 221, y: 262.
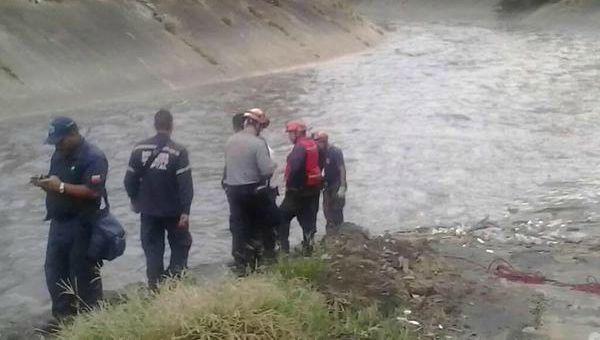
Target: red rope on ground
x: 502, y: 268
x: 592, y: 286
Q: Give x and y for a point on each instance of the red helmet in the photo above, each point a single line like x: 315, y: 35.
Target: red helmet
x: 295, y: 126
x: 258, y: 116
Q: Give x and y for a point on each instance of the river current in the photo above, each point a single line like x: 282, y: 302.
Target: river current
x: 442, y: 123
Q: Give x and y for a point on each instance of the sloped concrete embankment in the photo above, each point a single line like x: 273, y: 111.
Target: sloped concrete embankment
x: 58, y: 54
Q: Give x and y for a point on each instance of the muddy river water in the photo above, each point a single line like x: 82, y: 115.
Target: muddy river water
x: 442, y: 123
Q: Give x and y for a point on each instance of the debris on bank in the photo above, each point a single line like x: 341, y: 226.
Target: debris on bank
x: 480, y: 281
x: 410, y: 284
x: 402, y: 273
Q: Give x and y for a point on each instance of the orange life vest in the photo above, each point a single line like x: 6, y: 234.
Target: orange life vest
x: 313, y: 171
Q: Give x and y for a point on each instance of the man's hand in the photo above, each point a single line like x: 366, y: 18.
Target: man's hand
x: 51, y: 184
x: 184, y: 221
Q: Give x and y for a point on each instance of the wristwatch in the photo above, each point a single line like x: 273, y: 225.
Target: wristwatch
x: 61, y: 187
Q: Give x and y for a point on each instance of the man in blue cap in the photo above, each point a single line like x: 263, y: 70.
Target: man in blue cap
x: 74, y: 189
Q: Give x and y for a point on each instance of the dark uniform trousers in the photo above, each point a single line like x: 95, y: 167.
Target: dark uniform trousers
x: 73, y: 279
x: 252, y: 219
x: 153, y: 242
x: 304, y: 205
x: 268, y: 220
x: 333, y: 209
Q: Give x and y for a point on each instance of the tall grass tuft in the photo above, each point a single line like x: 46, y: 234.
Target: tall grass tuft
x: 256, y: 307
x: 281, y: 304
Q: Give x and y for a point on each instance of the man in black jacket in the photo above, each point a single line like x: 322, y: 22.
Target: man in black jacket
x: 159, y: 183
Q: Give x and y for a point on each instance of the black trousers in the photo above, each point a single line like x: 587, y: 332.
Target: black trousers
x: 304, y: 205
x: 153, y: 242
x: 268, y: 219
x: 333, y: 209
x: 253, y: 216
x: 73, y: 279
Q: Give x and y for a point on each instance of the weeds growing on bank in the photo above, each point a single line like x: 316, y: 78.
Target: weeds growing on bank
x: 283, y: 303
x: 308, y: 269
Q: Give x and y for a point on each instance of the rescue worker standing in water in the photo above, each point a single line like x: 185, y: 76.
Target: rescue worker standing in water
x: 248, y: 169
x: 159, y: 183
x: 303, y: 185
x: 74, y: 190
x: 334, y: 175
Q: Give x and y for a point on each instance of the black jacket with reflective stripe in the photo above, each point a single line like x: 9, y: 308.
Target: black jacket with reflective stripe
x: 166, y: 188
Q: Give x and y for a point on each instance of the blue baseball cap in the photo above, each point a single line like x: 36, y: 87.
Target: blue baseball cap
x: 59, y: 128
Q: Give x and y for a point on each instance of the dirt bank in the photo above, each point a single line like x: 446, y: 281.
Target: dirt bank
x: 438, y: 283
x: 447, y: 284
x: 58, y: 54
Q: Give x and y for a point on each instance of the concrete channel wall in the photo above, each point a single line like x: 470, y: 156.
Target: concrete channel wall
x: 64, y: 53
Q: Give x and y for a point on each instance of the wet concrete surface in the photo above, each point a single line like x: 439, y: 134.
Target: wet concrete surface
x: 442, y: 124
x: 504, y: 309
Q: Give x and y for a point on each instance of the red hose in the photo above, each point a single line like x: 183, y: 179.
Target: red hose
x: 504, y: 269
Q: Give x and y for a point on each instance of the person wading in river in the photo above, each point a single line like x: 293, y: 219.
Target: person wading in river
x: 248, y: 169
x: 303, y: 184
x: 74, y: 189
x: 159, y: 183
x: 335, y: 185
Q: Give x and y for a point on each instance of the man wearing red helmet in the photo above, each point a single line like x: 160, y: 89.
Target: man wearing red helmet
x: 334, y: 175
x: 303, y: 185
x: 248, y: 168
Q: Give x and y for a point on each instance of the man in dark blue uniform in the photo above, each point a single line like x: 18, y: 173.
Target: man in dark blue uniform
x: 159, y: 183
x: 334, y: 174
x: 74, y: 188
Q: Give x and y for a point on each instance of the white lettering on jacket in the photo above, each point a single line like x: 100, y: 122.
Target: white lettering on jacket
x: 161, y: 161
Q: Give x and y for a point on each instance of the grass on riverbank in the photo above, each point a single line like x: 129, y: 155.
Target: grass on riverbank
x: 284, y: 303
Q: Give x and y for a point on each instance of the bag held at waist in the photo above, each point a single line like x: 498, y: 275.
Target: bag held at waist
x: 108, y: 236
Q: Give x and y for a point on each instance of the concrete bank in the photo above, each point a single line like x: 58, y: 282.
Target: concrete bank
x: 61, y: 54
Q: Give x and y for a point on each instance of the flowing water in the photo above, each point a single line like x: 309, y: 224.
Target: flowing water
x: 442, y: 123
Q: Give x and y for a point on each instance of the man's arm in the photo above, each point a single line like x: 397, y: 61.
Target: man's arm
x: 185, y: 188
x: 343, y: 170
x: 297, y: 170
x: 94, y: 179
x: 80, y: 191
x: 185, y: 184
x: 132, y: 180
x: 266, y: 166
x: 343, y: 184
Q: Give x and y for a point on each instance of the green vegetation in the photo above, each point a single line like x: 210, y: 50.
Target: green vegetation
x: 285, y: 302
x: 307, y: 269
